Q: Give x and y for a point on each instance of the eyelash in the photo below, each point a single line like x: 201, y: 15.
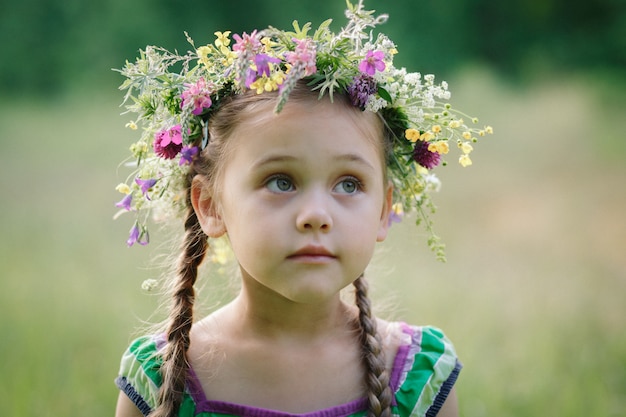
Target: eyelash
x: 358, y: 184
x: 274, y: 178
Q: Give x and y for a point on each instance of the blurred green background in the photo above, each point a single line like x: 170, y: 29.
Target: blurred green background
x: 534, y: 291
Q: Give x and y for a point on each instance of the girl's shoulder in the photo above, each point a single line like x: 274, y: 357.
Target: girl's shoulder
x: 139, y: 375
x: 424, y: 369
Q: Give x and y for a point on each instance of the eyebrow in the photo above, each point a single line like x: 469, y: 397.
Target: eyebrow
x: 349, y: 157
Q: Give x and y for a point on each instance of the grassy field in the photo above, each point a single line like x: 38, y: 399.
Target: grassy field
x: 533, y: 294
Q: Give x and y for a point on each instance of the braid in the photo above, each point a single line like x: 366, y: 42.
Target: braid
x: 379, y: 392
x: 175, y: 365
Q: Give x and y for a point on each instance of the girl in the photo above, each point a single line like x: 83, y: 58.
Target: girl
x: 299, y: 149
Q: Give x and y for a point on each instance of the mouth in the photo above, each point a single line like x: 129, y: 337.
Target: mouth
x: 312, y: 254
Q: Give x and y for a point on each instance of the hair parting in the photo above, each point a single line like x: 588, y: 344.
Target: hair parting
x: 377, y: 378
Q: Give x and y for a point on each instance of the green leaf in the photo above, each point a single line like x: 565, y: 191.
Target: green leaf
x: 384, y: 94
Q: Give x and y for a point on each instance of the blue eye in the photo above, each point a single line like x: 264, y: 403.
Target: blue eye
x: 279, y: 184
x: 348, y: 186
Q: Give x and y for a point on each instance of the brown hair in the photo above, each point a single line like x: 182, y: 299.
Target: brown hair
x: 209, y: 164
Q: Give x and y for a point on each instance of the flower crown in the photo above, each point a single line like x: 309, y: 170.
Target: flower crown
x: 174, y: 96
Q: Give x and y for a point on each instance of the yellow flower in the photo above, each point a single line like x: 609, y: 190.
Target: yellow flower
x: 440, y: 147
x: 465, y: 160
x: 123, y: 188
x: 262, y: 84
x: 489, y: 130
x: 229, y: 55
x: 426, y: 136
x: 267, y: 43
x: 139, y: 148
x: 397, y: 209
x: 132, y: 125
x: 222, y: 39
x: 393, y: 51
x: 455, y: 124
x: 412, y: 135
x: 467, y: 135
x: 466, y: 147
x: 436, y: 129
x: 203, y: 55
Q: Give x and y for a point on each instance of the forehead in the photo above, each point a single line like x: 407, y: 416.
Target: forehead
x: 338, y: 124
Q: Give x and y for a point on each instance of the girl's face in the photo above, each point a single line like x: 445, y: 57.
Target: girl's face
x: 303, y: 199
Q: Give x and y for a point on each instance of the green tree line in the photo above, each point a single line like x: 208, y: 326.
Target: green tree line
x: 50, y: 46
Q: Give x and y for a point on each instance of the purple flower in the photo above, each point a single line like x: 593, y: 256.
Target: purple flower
x: 250, y: 77
x: 198, y: 95
x: 362, y: 87
x: 146, y: 185
x: 394, y: 217
x: 424, y: 157
x: 138, y: 235
x: 187, y: 154
x: 168, y: 143
x: 125, y: 202
x: 372, y: 62
x: 262, y: 62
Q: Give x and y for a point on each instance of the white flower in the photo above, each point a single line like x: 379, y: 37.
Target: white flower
x: 374, y: 104
x: 149, y: 285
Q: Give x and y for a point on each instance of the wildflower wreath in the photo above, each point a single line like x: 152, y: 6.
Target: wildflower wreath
x: 173, y: 96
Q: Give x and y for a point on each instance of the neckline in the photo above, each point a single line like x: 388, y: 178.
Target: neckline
x: 204, y: 405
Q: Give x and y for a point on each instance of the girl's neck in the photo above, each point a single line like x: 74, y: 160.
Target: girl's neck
x: 265, y: 315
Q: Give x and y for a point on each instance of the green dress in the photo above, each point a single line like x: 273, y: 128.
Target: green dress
x: 425, y: 369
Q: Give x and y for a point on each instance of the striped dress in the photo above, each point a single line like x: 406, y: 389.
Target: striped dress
x: 425, y: 369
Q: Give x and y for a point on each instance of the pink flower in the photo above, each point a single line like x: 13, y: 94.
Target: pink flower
x: 372, y: 62
x: 246, y: 42
x: 198, y: 95
x: 168, y: 143
x: 304, y: 55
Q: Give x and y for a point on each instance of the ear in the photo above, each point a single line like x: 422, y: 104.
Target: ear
x: 206, y: 208
x: 383, y: 228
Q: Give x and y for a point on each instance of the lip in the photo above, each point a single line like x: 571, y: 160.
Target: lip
x: 312, y: 254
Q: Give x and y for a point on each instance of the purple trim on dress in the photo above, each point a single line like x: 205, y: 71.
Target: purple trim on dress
x: 398, y: 375
x: 248, y: 411
x: 398, y: 363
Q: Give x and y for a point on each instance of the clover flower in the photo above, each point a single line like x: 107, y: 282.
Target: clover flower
x: 423, y: 156
x: 362, y: 87
x: 372, y: 62
x: 198, y: 95
x: 168, y: 142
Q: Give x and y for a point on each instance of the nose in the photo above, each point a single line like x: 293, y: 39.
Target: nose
x: 314, y: 214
